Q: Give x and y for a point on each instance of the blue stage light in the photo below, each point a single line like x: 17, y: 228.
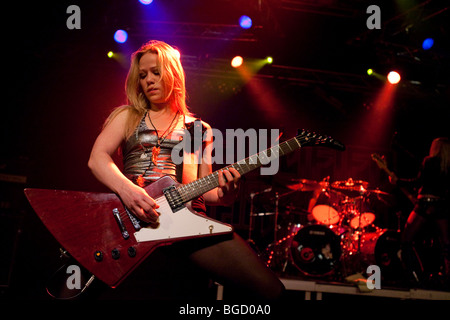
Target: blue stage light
x: 427, y: 43
x: 121, y: 36
x: 245, y: 22
x: 145, y: 2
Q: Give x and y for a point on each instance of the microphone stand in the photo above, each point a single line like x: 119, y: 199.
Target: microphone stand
x: 276, y: 217
x: 250, y: 229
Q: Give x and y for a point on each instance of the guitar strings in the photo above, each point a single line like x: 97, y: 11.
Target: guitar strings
x: 202, y: 185
x: 159, y: 201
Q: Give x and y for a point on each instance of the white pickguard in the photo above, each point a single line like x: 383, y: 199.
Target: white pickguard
x: 182, y: 223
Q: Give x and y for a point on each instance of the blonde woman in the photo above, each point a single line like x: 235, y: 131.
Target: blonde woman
x: 146, y: 130
x: 432, y: 204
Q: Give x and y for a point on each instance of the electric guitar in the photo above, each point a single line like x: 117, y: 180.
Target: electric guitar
x: 381, y: 162
x: 102, y: 235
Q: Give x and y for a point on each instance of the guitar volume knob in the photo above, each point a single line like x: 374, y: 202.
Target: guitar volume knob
x: 132, y: 252
x: 115, y: 253
x: 98, y: 256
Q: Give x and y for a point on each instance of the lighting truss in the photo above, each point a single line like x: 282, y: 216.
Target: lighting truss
x: 204, y: 31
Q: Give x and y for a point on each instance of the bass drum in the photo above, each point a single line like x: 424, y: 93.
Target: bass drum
x: 315, y: 250
x: 382, y: 248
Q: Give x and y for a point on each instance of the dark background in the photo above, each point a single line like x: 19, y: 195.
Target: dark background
x: 59, y: 86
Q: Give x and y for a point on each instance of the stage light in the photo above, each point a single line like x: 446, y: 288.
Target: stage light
x: 145, y: 2
x: 369, y: 72
x: 427, y: 43
x: 269, y: 59
x: 393, y: 77
x: 245, y: 22
x: 237, y: 61
x: 120, y: 36
x: 110, y: 54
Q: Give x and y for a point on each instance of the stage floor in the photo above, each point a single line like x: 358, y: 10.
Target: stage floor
x: 299, y: 288
x: 316, y: 290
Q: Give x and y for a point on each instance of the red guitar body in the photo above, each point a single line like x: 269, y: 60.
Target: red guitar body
x: 86, y: 227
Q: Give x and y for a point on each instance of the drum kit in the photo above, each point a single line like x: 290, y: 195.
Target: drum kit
x: 339, y: 237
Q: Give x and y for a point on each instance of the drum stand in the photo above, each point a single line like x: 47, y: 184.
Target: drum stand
x: 347, y: 238
x: 352, y: 256
x: 252, y: 214
x: 275, y: 238
x: 276, y: 254
x: 277, y: 197
x: 250, y: 227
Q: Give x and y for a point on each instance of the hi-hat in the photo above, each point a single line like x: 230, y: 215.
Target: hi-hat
x: 303, y: 185
x: 376, y: 191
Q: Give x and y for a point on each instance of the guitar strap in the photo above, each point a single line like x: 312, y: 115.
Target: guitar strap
x: 188, y: 170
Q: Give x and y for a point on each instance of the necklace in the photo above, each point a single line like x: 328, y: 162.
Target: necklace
x: 157, y: 148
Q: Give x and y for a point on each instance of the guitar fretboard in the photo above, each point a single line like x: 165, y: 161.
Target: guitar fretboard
x: 198, y: 187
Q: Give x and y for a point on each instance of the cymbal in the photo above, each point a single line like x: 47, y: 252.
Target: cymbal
x: 302, y: 185
x: 292, y: 182
x: 379, y: 192
x: 350, y: 185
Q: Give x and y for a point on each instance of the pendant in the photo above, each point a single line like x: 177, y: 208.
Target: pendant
x: 140, y: 181
x: 155, y: 153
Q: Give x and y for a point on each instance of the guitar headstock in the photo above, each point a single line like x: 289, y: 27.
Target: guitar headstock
x: 380, y: 160
x: 308, y: 138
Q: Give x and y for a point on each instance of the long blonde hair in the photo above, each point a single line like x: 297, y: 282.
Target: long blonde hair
x: 440, y: 147
x: 172, y: 76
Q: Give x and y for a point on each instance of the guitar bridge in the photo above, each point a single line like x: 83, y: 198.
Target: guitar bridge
x: 133, y: 219
x: 173, y: 198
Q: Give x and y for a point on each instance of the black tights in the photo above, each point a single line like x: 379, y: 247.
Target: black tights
x: 230, y: 261
x: 410, y: 258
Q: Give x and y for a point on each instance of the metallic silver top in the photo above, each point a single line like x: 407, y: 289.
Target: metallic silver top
x: 137, y: 153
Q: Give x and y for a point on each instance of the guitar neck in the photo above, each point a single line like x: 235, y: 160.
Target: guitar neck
x: 382, y: 164
x: 198, y: 187
x: 388, y: 172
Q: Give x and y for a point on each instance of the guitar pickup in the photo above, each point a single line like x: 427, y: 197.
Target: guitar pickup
x: 119, y: 221
x: 173, y: 198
